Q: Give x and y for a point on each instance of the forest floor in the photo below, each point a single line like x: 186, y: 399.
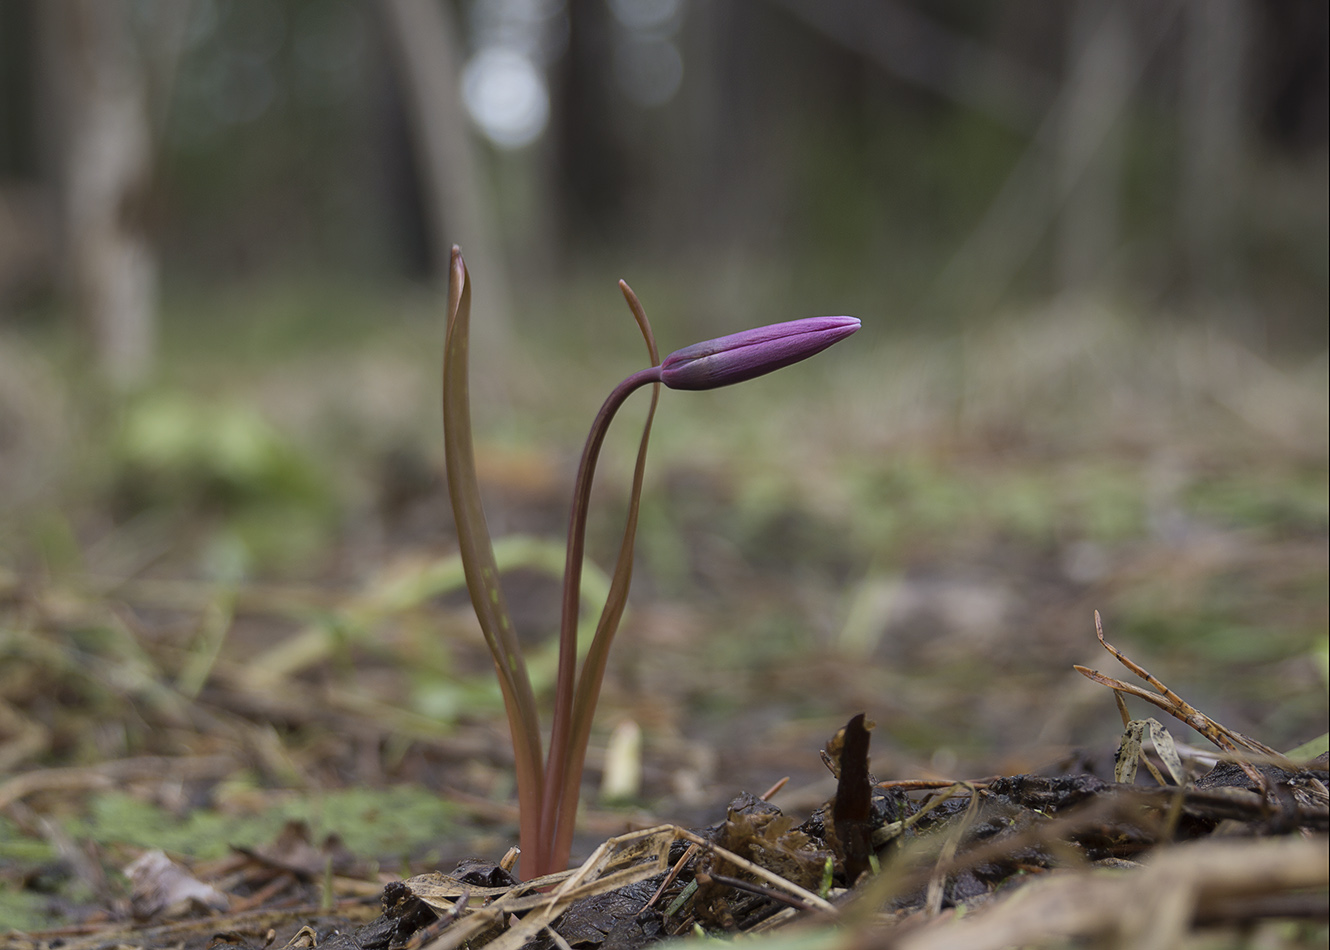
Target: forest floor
x: 232, y: 628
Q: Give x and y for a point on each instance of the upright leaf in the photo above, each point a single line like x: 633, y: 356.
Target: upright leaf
x: 482, y: 573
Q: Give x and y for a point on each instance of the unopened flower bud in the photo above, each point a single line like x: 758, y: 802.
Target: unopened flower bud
x: 741, y: 356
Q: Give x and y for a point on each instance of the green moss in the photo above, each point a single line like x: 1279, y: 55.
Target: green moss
x: 921, y: 497
x: 1292, y: 500
x: 23, y: 910
x: 15, y: 846
x: 387, y: 823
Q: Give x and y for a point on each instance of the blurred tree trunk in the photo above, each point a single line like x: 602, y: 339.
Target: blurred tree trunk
x: 1089, y: 154
x: 590, y: 162
x: 102, y: 145
x: 1213, y: 103
x: 1043, y: 187
x: 429, y: 65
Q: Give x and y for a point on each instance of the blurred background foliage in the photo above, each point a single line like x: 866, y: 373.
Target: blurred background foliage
x: 933, y: 161
x: 1088, y: 241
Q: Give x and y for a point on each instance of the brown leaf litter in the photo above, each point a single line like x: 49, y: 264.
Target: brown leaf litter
x: 1024, y: 860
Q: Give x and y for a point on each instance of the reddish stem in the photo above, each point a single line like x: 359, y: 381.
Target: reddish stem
x: 565, y: 683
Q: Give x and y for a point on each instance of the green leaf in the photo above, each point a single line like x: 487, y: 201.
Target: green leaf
x: 1310, y: 749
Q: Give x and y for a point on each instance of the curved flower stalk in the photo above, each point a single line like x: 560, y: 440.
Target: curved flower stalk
x: 548, y: 792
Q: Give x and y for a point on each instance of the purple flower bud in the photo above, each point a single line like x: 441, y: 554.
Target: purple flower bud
x: 741, y: 356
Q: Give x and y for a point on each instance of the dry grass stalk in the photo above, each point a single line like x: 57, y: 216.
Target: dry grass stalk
x: 1173, y: 704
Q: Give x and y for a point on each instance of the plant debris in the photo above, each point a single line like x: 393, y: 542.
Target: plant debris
x: 1008, y: 860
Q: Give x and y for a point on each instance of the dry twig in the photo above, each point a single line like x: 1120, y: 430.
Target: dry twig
x: 1173, y: 704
